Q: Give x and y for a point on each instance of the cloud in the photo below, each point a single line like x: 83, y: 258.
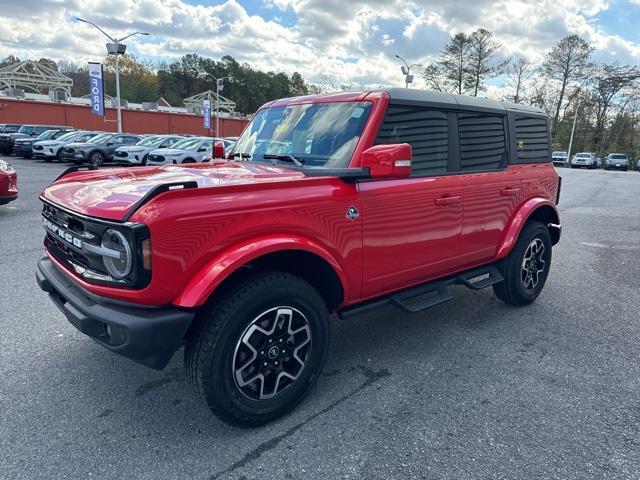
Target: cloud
x: 351, y: 42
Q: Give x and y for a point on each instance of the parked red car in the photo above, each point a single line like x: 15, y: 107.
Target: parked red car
x: 334, y: 203
x: 8, y: 183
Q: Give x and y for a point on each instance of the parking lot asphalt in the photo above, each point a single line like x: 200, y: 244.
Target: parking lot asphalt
x: 466, y: 390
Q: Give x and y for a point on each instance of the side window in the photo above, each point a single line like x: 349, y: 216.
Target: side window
x: 532, y: 139
x: 482, y: 141
x: 132, y: 140
x: 427, y: 132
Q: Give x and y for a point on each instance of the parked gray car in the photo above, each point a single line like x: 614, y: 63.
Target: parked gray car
x: 187, y: 150
x: 25, y: 131
x: 616, y: 161
x: 99, y: 149
x: 137, y: 154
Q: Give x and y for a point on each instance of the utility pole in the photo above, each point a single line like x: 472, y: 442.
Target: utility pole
x: 116, y: 48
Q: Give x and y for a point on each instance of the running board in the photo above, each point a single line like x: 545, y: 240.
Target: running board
x: 427, y: 295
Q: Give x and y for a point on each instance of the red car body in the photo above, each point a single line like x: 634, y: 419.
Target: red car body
x: 8, y: 184
x: 408, y: 230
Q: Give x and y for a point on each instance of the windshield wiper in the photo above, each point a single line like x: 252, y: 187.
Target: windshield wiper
x: 286, y: 158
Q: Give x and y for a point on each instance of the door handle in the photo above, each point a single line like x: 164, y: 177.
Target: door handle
x: 509, y: 192
x: 447, y: 200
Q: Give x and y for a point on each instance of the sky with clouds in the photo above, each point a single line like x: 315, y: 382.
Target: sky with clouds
x: 347, y: 41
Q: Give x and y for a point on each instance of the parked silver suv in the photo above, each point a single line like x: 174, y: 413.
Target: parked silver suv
x: 616, y: 161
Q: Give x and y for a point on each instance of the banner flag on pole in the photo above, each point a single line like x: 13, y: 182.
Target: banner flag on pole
x: 96, y: 89
x: 206, y: 114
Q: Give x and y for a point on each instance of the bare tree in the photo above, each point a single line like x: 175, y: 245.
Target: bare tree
x: 481, y: 63
x: 567, y: 61
x: 517, y: 73
x: 609, y: 81
x: 433, y: 77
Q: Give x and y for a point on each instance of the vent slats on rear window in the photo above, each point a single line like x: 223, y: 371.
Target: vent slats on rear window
x: 482, y: 141
x: 427, y: 133
x: 532, y: 139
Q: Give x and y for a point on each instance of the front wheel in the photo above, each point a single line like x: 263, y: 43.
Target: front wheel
x: 256, y: 352
x: 526, y: 268
x: 96, y: 159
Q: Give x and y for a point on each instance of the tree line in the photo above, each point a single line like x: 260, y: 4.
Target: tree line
x: 603, y: 98
x: 143, y: 81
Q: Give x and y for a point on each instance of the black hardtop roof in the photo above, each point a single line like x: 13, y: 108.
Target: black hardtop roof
x: 458, y: 102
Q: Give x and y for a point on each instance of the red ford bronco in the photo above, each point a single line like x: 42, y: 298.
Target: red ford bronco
x: 335, y: 203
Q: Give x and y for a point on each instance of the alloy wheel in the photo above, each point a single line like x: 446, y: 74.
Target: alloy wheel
x: 271, y: 353
x: 533, y: 264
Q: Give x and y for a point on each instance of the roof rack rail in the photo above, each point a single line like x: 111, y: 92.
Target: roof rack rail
x: 157, y: 190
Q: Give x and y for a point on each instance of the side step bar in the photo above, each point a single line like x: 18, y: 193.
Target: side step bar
x: 429, y: 294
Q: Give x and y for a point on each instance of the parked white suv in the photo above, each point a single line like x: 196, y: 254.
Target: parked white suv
x: 137, y: 154
x: 586, y: 160
x: 187, y: 150
x: 559, y: 158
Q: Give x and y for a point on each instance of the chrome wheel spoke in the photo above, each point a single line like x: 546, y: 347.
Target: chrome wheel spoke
x: 533, y: 264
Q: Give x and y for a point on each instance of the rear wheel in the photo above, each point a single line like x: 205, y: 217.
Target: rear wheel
x: 96, y: 159
x: 59, y: 156
x: 526, y: 268
x: 258, y: 350
x: 188, y: 160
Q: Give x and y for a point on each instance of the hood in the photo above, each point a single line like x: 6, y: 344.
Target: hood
x: 111, y: 193
x: 169, y: 151
x: 81, y: 145
x: 131, y: 148
x: 49, y: 143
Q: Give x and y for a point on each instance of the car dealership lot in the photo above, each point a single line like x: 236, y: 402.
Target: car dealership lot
x: 468, y: 389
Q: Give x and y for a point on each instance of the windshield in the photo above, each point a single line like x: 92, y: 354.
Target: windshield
x: 69, y: 136
x: 560, y: 154
x: 149, y: 142
x: 102, y: 138
x: 187, y: 144
x: 317, y: 134
x: 25, y: 129
x: 46, y: 134
x: 10, y: 128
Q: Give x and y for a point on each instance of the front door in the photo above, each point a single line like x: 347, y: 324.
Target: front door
x: 412, y: 227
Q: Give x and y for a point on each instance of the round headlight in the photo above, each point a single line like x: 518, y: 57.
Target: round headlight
x: 116, y: 241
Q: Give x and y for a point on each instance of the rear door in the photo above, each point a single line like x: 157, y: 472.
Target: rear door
x: 412, y: 227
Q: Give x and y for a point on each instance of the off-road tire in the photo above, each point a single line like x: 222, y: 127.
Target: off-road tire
x: 213, y: 343
x: 513, y: 290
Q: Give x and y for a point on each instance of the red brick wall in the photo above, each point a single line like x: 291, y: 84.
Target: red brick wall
x: 133, y: 121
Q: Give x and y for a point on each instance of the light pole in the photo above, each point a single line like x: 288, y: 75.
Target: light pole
x: 573, y: 128
x: 116, y: 48
x: 219, y: 87
x: 406, y: 71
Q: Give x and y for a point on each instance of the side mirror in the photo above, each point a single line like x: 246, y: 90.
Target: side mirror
x: 110, y: 144
x: 218, y: 149
x: 388, y: 161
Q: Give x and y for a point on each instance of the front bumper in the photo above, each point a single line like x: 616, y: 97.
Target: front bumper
x: 149, y: 336
x: 613, y: 166
x: 77, y: 157
x: 22, y: 150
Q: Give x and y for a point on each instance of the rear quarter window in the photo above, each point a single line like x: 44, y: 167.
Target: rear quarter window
x: 532, y: 139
